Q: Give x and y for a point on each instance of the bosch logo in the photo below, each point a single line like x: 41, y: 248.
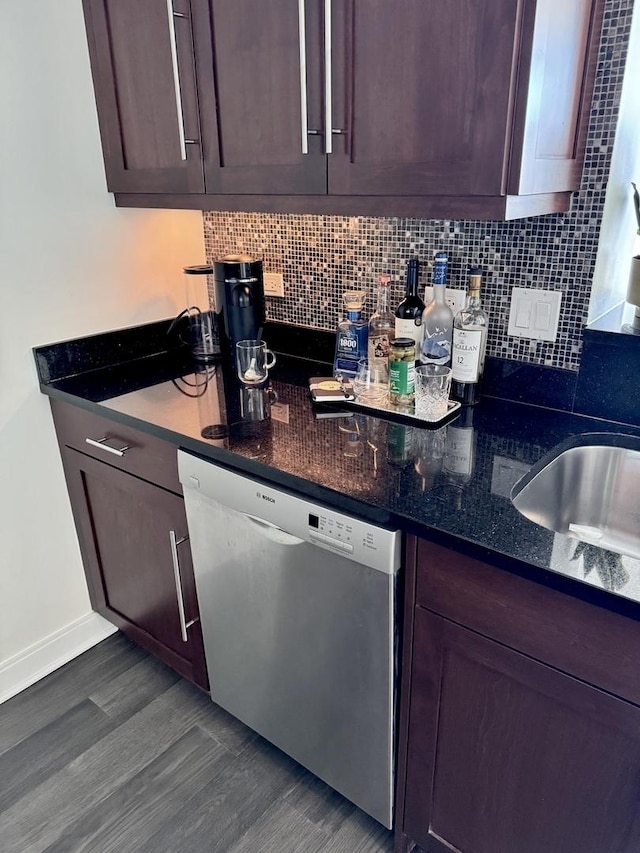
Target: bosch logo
x: 267, y: 498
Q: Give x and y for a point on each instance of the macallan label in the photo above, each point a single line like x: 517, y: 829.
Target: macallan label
x: 467, y: 349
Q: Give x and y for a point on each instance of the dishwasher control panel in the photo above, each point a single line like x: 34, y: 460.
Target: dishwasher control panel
x: 360, y: 541
x: 333, y: 533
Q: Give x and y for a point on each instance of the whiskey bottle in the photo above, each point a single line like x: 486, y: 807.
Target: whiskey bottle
x: 469, y: 344
x: 437, y: 318
x: 409, y: 312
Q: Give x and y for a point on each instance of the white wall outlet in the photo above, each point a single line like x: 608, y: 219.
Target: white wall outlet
x: 273, y: 284
x: 454, y: 297
x: 534, y: 313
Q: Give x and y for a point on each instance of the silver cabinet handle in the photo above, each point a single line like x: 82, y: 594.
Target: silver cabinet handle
x: 184, y: 625
x: 176, y: 77
x: 304, y: 127
x: 100, y: 443
x: 328, y: 120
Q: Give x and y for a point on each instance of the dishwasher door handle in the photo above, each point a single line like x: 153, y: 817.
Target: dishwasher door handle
x: 273, y: 532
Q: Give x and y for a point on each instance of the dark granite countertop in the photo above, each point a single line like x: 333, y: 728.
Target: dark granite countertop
x: 451, y: 484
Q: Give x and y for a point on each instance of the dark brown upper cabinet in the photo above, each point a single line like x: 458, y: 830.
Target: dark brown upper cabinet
x: 250, y: 75
x: 143, y: 69
x: 431, y: 108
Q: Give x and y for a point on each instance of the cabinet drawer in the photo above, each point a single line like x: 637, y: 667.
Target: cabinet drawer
x: 146, y: 456
x: 589, y: 642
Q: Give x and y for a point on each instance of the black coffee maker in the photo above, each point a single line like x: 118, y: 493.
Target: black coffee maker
x: 240, y: 305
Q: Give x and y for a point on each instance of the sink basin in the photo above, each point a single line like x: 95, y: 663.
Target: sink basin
x: 588, y: 488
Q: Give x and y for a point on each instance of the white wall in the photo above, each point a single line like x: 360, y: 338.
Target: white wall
x: 71, y: 264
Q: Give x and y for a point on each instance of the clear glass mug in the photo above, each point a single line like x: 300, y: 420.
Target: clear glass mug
x: 254, y: 361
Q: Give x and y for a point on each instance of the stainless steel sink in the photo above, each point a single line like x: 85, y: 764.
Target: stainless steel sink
x: 587, y: 488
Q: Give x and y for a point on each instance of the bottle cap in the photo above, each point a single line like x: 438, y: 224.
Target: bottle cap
x: 353, y: 299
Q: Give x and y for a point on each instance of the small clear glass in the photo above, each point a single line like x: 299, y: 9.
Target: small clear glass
x: 371, y: 383
x: 433, y: 383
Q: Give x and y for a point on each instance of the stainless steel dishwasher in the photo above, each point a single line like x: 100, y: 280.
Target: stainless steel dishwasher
x: 298, y: 604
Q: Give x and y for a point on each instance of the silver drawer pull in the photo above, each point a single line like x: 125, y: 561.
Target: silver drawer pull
x: 184, y: 625
x: 100, y: 443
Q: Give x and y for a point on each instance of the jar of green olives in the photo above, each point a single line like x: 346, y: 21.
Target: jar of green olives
x: 402, y: 371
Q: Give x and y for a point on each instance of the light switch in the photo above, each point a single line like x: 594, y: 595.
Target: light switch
x: 534, y: 313
x: 523, y: 319
x: 543, y: 315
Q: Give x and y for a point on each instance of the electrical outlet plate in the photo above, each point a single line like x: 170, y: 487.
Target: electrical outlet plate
x: 273, y: 284
x: 454, y: 297
x: 534, y: 313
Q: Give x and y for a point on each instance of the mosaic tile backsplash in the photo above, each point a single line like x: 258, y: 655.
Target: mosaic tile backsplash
x: 321, y: 256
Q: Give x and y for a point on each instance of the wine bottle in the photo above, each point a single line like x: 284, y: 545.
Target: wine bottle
x: 409, y: 312
x: 381, y: 325
x: 437, y: 318
x: 469, y: 344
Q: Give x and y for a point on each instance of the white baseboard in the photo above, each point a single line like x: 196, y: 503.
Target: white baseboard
x: 24, y: 669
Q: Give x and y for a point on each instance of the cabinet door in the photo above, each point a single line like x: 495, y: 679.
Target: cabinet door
x: 142, y: 62
x: 550, y: 129
x: 423, y: 91
x: 124, y: 526
x: 507, y: 755
x: 253, y: 104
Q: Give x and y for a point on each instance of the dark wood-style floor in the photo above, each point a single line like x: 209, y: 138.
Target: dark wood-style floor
x: 115, y: 752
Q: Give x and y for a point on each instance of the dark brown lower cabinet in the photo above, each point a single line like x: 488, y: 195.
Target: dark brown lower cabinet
x: 506, y: 754
x: 134, y: 543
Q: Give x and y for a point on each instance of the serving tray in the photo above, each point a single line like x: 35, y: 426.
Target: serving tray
x: 334, y: 397
x: 405, y: 415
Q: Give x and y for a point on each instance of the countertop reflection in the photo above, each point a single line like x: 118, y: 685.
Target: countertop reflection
x: 454, y: 480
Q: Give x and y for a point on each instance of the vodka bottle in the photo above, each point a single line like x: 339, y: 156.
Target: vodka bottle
x: 351, y: 336
x: 437, y: 318
x: 381, y: 324
x: 469, y: 344
x: 409, y: 311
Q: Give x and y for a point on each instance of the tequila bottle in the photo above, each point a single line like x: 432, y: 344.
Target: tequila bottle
x: 381, y: 324
x: 351, y: 336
